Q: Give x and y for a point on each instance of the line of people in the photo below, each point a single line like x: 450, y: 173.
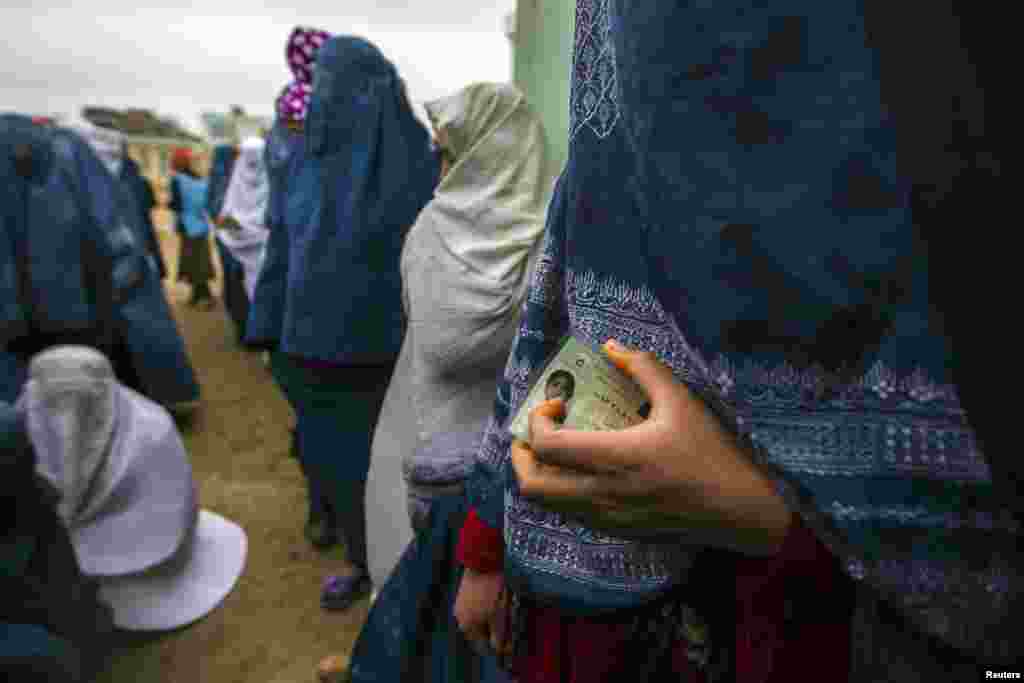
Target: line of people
x: 390, y: 270
x: 733, y: 231
x: 737, y: 230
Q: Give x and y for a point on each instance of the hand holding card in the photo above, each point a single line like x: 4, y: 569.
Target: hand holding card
x: 597, y: 395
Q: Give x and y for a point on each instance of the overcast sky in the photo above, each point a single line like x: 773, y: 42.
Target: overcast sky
x: 184, y: 59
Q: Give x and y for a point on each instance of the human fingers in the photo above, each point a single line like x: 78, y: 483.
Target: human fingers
x: 590, y: 451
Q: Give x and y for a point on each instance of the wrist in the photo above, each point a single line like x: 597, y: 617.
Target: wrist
x: 756, y: 518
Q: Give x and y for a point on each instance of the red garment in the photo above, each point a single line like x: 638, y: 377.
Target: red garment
x: 805, y: 580
x: 480, y: 547
x: 769, y: 647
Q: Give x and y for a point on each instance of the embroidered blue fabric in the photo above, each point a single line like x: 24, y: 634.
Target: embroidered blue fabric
x: 731, y: 203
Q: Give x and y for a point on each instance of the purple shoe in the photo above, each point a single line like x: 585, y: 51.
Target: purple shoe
x: 339, y: 592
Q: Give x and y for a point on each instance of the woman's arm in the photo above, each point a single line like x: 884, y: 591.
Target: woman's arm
x: 481, y: 605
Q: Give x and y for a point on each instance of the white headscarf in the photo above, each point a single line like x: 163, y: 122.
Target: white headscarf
x: 466, y: 259
x: 246, y: 203
x: 108, y: 144
x: 70, y: 402
x: 465, y: 267
x: 248, y: 189
x: 489, y: 208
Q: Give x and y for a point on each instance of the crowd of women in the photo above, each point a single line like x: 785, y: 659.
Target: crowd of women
x: 102, y: 530
x: 744, y: 229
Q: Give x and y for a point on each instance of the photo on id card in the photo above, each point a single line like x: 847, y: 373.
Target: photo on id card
x: 597, y: 395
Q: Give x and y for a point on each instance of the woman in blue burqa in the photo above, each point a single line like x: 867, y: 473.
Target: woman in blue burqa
x: 139, y: 201
x: 291, y: 201
x: 370, y: 170
x: 735, y: 231
x: 74, y: 269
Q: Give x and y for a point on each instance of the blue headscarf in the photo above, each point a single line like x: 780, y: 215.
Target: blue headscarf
x: 291, y: 202
x: 374, y: 171
x: 64, y: 204
x: 221, y: 166
x: 731, y: 203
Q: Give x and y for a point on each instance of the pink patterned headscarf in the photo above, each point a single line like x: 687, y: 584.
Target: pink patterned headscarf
x: 294, y: 101
x: 303, y: 44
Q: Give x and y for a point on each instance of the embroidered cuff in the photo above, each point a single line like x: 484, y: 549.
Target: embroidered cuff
x: 481, y: 547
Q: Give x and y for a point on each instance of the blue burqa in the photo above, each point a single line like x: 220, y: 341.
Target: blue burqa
x: 74, y: 253
x: 732, y: 203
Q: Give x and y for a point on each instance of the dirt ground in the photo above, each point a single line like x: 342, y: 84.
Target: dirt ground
x: 271, y: 628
